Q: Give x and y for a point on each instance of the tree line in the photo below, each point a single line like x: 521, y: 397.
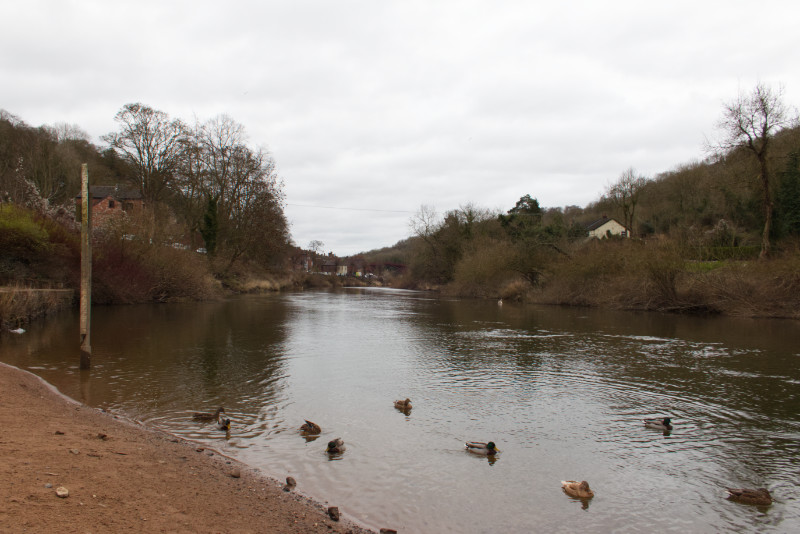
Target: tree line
x: 742, y: 200
x: 202, y: 184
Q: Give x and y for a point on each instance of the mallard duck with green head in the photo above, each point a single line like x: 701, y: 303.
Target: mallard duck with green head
x: 479, y: 447
x: 664, y: 424
x: 224, y: 423
x: 335, y: 446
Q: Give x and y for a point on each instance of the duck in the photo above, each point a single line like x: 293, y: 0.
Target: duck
x: 403, y: 404
x: 224, y: 423
x: 478, y: 447
x: 659, y: 424
x: 758, y: 496
x: 580, y: 490
x: 208, y: 417
x: 310, y: 427
x: 336, y: 446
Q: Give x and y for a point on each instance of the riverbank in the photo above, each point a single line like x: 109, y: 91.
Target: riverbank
x: 20, y: 305
x: 122, y: 477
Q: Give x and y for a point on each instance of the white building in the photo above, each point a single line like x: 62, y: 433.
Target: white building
x: 605, y: 227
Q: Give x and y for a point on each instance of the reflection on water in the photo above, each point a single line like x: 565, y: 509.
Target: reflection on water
x: 563, y: 393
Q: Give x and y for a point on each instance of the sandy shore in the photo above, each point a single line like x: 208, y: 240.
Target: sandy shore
x: 122, y: 477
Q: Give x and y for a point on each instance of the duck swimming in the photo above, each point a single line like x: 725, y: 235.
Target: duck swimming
x: 580, y: 490
x: 336, y: 446
x: 224, y: 423
x: 310, y: 428
x: 758, y: 496
x: 208, y: 417
x: 478, y: 447
x: 659, y: 424
x: 403, y: 404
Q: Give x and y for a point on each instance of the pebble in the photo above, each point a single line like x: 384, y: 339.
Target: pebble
x: 59, y: 433
x: 236, y: 473
x: 290, y: 484
x: 388, y: 531
x: 74, y: 451
x: 48, y: 485
x: 62, y: 492
x: 333, y: 512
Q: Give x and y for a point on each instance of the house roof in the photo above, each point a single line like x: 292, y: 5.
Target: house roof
x: 117, y: 192
x: 594, y: 225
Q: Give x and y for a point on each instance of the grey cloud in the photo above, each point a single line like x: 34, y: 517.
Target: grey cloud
x: 403, y: 104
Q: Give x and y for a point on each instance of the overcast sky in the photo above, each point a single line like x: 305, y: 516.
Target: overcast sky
x: 373, y: 108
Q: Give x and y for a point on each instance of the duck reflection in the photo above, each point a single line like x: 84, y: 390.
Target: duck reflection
x: 578, y: 491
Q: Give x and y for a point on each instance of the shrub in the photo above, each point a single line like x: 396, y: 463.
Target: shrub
x: 134, y: 271
x: 18, y: 304
x: 21, y: 237
x: 483, y: 269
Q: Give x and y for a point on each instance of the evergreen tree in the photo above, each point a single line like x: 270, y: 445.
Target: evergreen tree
x: 210, y: 227
x: 524, y: 219
x: 788, y: 197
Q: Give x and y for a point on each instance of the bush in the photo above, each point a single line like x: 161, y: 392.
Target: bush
x: 134, y: 271
x: 21, y: 237
x: 728, y: 253
x: 18, y: 305
x: 483, y: 269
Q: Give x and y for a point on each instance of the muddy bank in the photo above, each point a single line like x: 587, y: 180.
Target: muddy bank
x: 122, y: 477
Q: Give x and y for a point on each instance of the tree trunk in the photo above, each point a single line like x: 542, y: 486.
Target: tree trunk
x: 767, y: 200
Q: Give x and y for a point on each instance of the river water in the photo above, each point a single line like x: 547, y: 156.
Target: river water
x: 561, y: 391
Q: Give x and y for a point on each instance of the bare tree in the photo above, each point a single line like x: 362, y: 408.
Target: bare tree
x: 63, y: 131
x: 425, y: 222
x: 36, y: 169
x: 152, y: 144
x: 316, y: 246
x: 750, y: 121
x: 624, y: 194
x: 317, y: 249
x: 231, y: 193
x: 471, y: 215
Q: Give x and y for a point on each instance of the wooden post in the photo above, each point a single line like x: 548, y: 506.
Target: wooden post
x: 86, y: 269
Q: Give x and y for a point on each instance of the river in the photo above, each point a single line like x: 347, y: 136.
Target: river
x: 561, y: 391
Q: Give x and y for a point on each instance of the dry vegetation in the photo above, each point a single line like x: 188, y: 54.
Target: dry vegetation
x: 655, y: 277
x: 18, y: 305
